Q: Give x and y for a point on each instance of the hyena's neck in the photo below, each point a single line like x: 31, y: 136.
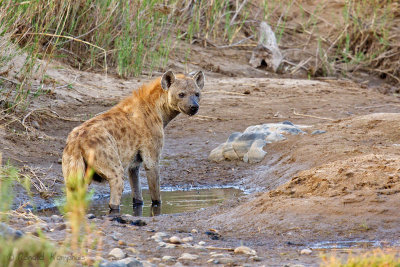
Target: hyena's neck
x: 155, y: 100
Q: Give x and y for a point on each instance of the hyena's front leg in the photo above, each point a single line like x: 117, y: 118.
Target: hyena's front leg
x: 151, y: 160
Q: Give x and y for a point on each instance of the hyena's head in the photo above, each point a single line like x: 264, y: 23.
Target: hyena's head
x: 183, y: 91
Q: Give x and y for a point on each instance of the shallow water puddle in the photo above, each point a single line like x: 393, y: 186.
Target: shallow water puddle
x: 350, y: 244
x: 172, y: 201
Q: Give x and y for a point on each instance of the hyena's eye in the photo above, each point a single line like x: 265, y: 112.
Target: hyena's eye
x: 181, y: 95
x: 197, y: 94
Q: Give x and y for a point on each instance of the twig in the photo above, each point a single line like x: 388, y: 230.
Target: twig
x: 217, y: 248
x: 311, y: 116
x: 50, y: 115
x: 207, y: 117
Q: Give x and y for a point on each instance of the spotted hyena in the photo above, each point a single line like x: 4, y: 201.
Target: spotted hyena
x: 132, y: 133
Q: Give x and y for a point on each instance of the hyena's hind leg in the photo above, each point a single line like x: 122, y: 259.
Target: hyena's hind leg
x: 134, y: 181
x: 109, y: 167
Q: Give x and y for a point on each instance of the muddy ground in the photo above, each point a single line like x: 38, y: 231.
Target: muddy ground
x: 341, y: 185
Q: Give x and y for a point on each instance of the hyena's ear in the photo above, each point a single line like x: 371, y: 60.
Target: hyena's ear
x: 198, y: 77
x: 167, y: 80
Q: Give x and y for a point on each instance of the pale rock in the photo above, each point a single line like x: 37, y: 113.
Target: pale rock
x: 202, y: 243
x: 132, y: 250
x: 187, y: 239
x: 170, y: 246
x: 167, y: 258
x: 175, y: 240
x: 117, y: 253
x: 306, y: 251
x: 245, y: 250
x: 188, y: 256
x: 194, y: 231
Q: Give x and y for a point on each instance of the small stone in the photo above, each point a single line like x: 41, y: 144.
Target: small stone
x: 187, y: 239
x: 155, y: 260
x: 256, y: 258
x: 306, y: 251
x: 188, y: 256
x: 90, y: 216
x: 121, y: 243
x: 9, y: 232
x: 117, y: 253
x: 245, y: 250
x: 158, y: 237
x: 59, y: 161
x: 170, y: 246
x: 132, y: 250
x: 162, y: 244
x: 194, y: 231
x: 227, y: 261
x: 318, y: 132
x: 202, y: 243
x: 175, y: 240
x: 219, y: 255
x: 168, y: 258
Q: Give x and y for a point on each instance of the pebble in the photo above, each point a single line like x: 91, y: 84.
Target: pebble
x: 168, y: 258
x: 170, y: 246
x: 175, y: 240
x: 194, y: 231
x: 202, y: 243
x: 228, y: 261
x: 187, y: 239
x: 245, y: 250
x: 188, y: 256
x: 162, y: 244
x: 132, y: 250
x: 8, y: 232
x: 256, y: 258
x: 117, y: 253
x: 121, y: 243
x: 127, y: 262
x: 199, y: 247
x: 158, y: 237
x: 90, y: 216
x: 306, y: 251
x: 318, y: 132
x: 218, y: 255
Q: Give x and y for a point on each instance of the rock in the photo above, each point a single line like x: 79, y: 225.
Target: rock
x: 117, y: 253
x: 227, y: 261
x: 214, y: 235
x: 248, y: 146
x: 9, y: 232
x: 175, y: 240
x: 306, y: 251
x: 318, y: 132
x: 158, y: 237
x: 245, y: 250
x: 256, y: 258
x: 132, y: 250
x: 167, y: 258
x: 170, y: 246
x: 187, y: 239
x: 188, y: 256
x: 127, y: 262
x: 199, y: 247
x: 90, y: 216
x: 202, y: 243
x: 56, y: 219
x: 121, y: 243
x: 162, y: 244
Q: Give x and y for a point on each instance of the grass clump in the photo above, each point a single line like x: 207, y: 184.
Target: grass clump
x: 377, y: 258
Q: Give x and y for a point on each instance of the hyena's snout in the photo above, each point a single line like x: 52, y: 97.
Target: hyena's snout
x: 193, y: 106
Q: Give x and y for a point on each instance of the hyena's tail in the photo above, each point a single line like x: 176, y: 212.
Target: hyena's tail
x: 73, y: 166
